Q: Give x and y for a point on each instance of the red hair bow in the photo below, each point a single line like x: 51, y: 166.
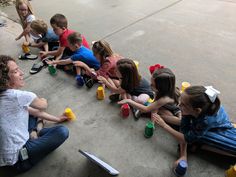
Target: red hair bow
x: 154, y: 67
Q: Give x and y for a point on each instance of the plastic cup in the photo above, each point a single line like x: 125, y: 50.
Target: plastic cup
x: 69, y: 114
x: 181, y: 168
x: 149, y: 129
x: 100, y: 93
x: 52, y: 70
x: 184, y: 85
x: 136, y: 63
x: 125, y: 110
x: 25, y: 49
x: 231, y: 172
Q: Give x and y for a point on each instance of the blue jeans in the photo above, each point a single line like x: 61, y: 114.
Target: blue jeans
x: 48, y: 140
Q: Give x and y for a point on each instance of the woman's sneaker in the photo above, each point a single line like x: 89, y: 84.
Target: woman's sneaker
x: 80, y: 81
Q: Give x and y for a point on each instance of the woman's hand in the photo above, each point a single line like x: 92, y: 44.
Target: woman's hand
x: 62, y: 118
x: 158, y: 120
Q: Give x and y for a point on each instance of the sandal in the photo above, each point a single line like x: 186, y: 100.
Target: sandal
x: 88, y: 81
x: 114, y: 97
x: 28, y: 56
x: 36, y: 68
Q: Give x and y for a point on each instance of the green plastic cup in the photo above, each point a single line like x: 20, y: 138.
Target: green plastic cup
x: 52, y: 70
x: 149, y: 129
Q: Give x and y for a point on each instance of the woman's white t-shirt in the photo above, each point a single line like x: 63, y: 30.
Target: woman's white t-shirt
x: 14, y: 117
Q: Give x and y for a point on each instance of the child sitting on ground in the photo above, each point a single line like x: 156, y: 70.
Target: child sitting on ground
x: 166, y: 97
x: 204, y: 121
x: 25, y: 12
x: 131, y: 84
x: 107, y: 58
x: 81, y: 54
x: 48, y: 39
x: 59, y: 24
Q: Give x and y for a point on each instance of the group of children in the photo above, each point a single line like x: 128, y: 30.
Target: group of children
x: 197, y: 111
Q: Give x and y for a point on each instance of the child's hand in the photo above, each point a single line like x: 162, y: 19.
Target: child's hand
x: 42, y: 54
x: 102, y: 80
x: 49, y: 62
x: 17, y: 38
x: 26, y: 43
x: 158, y: 120
x: 124, y: 101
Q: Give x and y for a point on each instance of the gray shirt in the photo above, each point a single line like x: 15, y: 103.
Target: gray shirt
x: 14, y: 117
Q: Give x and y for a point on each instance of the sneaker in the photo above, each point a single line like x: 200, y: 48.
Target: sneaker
x: 114, y: 97
x: 136, y: 113
x: 88, y: 81
x: 80, y: 81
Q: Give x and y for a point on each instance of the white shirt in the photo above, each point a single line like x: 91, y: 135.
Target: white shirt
x: 14, y: 117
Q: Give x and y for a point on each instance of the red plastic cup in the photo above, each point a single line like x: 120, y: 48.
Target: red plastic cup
x: 125, y: 110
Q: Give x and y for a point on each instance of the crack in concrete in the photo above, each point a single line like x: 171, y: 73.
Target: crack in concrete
x: 143, y: 18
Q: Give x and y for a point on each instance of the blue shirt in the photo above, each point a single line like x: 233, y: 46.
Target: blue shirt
x: 86, y: 56
x: 196, y: 128
x: 50, y: 36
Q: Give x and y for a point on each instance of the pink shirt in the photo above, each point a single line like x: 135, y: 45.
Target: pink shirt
x: 108, y: 69
x: 65, y: 34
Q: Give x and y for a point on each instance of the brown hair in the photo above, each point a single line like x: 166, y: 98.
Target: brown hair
x: 164, y: 80
x: 197, y: 98
x: 59, y: 20
x: 30, y: 9
x: 39, y: 26
x: 4, y: 70
x: 130, y: 76
x: 103, y: 49
x: 75, y: 38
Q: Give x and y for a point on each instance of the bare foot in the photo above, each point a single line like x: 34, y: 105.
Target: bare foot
x: 33, y: 135
x: 40, y: 125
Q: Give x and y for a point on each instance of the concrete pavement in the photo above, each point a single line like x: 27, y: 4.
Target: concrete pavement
x: 195, y: 38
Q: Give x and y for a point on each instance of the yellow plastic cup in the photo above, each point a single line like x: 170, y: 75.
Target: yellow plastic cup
x: 69, y: 114
x: 185, y: 85
x: 136, y: 63
x: 100, y: 93
x: 25, y: 48
x: 231, y: 172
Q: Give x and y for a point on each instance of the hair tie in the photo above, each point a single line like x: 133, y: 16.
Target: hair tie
x: 211, y: 93
x: 154, y: 67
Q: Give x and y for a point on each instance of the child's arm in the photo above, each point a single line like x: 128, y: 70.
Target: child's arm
x: 56, y: 53
x: 150, y: 108
x: 25, y: 32
x: 60, y: 62
x: 110, y: 86
x: 84, y: 66
x: 46, y: 116
x: 178, y: 135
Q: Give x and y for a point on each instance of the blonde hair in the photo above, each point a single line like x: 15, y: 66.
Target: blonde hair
x: 30, y: 9
x: 39, y: 26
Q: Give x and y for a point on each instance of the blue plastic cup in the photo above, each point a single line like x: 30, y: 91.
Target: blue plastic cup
x: 181, y: 168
